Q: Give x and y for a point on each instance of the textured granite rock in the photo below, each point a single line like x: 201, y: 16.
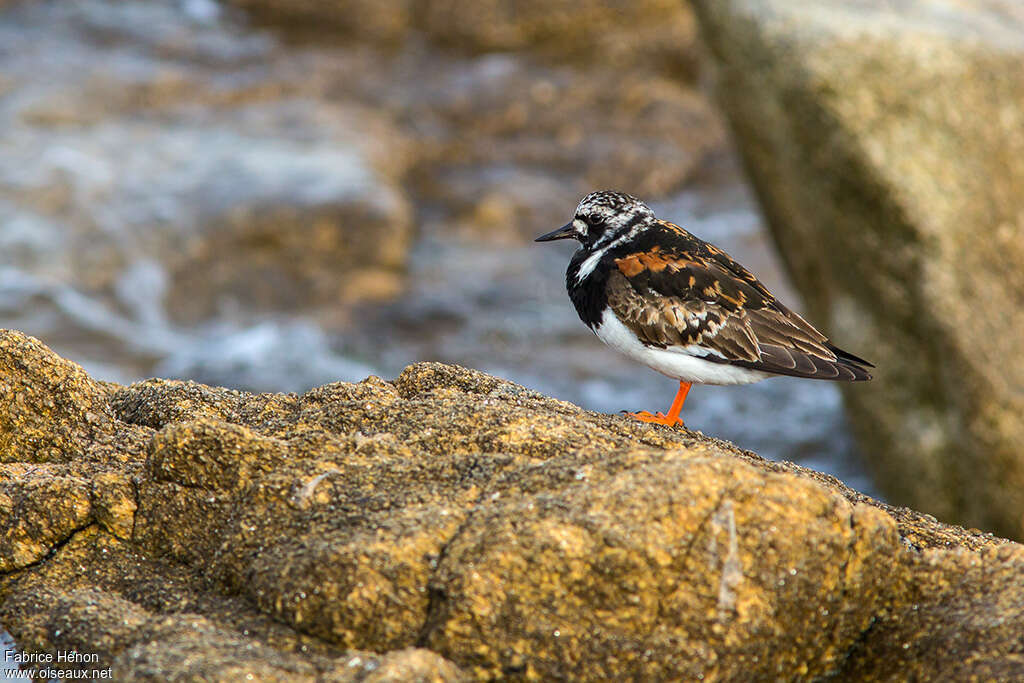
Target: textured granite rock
x: 450, y: 525
x: 54, y: 408
x: 886, y: 143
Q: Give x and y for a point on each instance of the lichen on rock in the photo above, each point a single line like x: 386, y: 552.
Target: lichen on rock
x: 449, y: 525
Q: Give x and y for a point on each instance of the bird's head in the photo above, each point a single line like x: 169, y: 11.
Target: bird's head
x: 602, y: 218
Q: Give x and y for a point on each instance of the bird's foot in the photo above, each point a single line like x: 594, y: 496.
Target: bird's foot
x: 659, y: 418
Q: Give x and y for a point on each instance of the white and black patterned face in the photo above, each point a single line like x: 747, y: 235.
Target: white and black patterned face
x: 603, y: 221
x: 606, y: 217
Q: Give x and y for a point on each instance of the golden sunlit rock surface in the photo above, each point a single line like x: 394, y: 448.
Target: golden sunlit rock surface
x: 449, y: 525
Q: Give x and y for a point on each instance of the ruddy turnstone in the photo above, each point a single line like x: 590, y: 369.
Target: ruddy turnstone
x: 679, y: 305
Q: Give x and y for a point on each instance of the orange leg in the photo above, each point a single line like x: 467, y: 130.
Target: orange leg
x: 672, y: 419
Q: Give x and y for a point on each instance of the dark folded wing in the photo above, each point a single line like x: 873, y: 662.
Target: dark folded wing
x: 709, y: 302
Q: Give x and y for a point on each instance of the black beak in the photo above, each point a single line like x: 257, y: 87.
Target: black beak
x: 563, y: 233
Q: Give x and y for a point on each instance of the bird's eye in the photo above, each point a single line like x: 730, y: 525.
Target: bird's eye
x: 596, y: 219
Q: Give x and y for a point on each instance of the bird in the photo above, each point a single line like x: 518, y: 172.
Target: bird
x: 662, y: 296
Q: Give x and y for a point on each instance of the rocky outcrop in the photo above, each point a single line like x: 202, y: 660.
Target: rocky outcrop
x: 450, y: 525
x: 885, y: 143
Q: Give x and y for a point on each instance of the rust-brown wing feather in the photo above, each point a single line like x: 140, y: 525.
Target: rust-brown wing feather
x: 702, y: 297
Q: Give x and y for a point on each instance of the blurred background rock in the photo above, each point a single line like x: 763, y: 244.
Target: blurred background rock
x: 886, y: 141
x: 274, y: 195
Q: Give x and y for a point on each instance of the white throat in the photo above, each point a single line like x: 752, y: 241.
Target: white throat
x: 588, y: 265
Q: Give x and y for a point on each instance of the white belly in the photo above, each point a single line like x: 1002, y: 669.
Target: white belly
x: 679, y: 362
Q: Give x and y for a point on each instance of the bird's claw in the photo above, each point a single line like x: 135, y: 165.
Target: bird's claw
x: 659, y: 418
